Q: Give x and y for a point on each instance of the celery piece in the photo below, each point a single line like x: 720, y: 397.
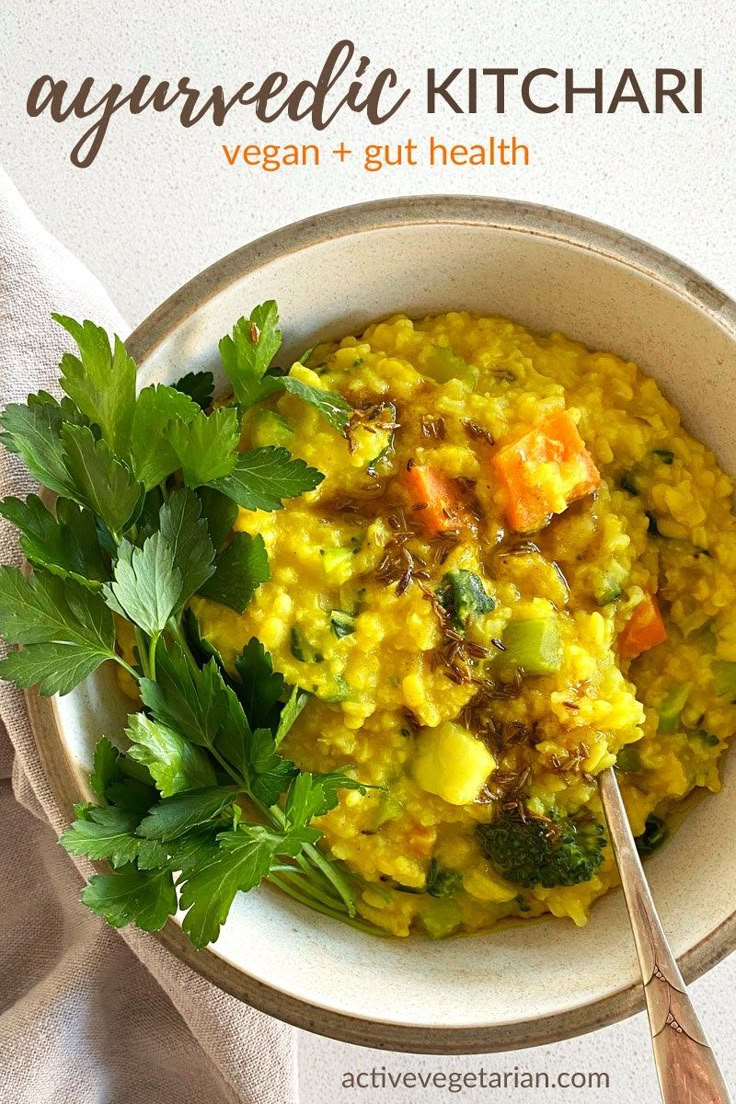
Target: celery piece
x: 442, y: 364
x: 535, y: 646
x: 671, y: 707
x: 441, y: 917
x: 269, y: 428
x: 724, y: 676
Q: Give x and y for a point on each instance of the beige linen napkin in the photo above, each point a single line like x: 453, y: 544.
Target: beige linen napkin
x: 88, y: 1013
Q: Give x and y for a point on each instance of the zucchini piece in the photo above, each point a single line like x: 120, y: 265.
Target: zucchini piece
x: 442, y: 883
x: 704, y: 736
x: 724, y: 676
x: 343, y: 624
x: 462, y: 594
x: 671, y: 707
x: 269, y: 428
x: 339, y: 692
x: 296, y: 645
x: 535, y: 646
x: 301, y: 649
x: 388, y: 808
x: 626, y: 483
x: 628, y: 759
x: 652, y: 524
x: 337, y: 562
x: 383, y: 457
x: 441, y: 365
x: 386, y: 437
x: 441, y: 917
x: 654, y: 834
x: 609, y: 590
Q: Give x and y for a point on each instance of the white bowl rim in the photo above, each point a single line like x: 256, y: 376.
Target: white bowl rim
x: 452, y: 210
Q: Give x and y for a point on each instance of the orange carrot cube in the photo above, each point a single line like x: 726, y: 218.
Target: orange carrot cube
x: 543, y: 471
x: 644, y: 629
x: 436, y: 494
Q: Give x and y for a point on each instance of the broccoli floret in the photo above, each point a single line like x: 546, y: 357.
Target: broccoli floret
x: 527, y: 853
x: 463, y: 595
x: 654, y: 834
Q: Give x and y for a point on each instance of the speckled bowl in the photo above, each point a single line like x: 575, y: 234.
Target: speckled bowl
x: 533, y: 983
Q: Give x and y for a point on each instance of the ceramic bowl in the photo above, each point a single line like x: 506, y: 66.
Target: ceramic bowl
x: 528, y: 984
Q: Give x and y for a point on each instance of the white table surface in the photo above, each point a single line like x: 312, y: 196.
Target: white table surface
x: 160, y: 203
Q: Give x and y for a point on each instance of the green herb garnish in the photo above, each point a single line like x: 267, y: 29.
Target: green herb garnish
x: 202, y: 803
x: 247, y: 356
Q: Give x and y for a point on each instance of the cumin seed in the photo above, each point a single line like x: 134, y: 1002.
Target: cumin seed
x: 477, y: 433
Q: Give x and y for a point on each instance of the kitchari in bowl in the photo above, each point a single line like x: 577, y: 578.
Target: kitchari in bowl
x: 387, y: 615
x: 518, y: 570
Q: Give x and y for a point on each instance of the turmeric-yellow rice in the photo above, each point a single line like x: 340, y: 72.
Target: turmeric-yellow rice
x: 473, y: 670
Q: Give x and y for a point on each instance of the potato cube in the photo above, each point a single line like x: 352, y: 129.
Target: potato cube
x: 451, y: 763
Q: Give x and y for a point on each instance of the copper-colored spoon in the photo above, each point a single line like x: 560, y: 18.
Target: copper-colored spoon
x: 686, y: 1066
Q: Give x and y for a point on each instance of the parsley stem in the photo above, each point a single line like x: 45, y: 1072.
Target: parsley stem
x: 126, y: 667
x: 286, y: 887
x: 275, y: 816
x: 333, y: 875
x: 152, y: 657
x: 140, y: 640
x: 306, y: 887
x: 227, y: 768
x: 325, y: 867
x: 175, y: 629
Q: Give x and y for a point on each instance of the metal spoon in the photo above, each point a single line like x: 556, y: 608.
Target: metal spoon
x: 686, y: 1066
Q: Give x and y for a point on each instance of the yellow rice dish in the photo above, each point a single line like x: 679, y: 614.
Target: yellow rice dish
x: 518, y: 570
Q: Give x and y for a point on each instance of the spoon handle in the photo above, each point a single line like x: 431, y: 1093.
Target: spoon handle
x: 686, y: 1066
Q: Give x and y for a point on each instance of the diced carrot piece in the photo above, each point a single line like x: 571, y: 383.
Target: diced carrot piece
x: 436, y: 494
x: 421, y: 841
x: 644, y: 629
x: 543, y: 471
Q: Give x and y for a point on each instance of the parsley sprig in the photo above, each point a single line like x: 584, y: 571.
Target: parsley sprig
x: 199, y: 803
